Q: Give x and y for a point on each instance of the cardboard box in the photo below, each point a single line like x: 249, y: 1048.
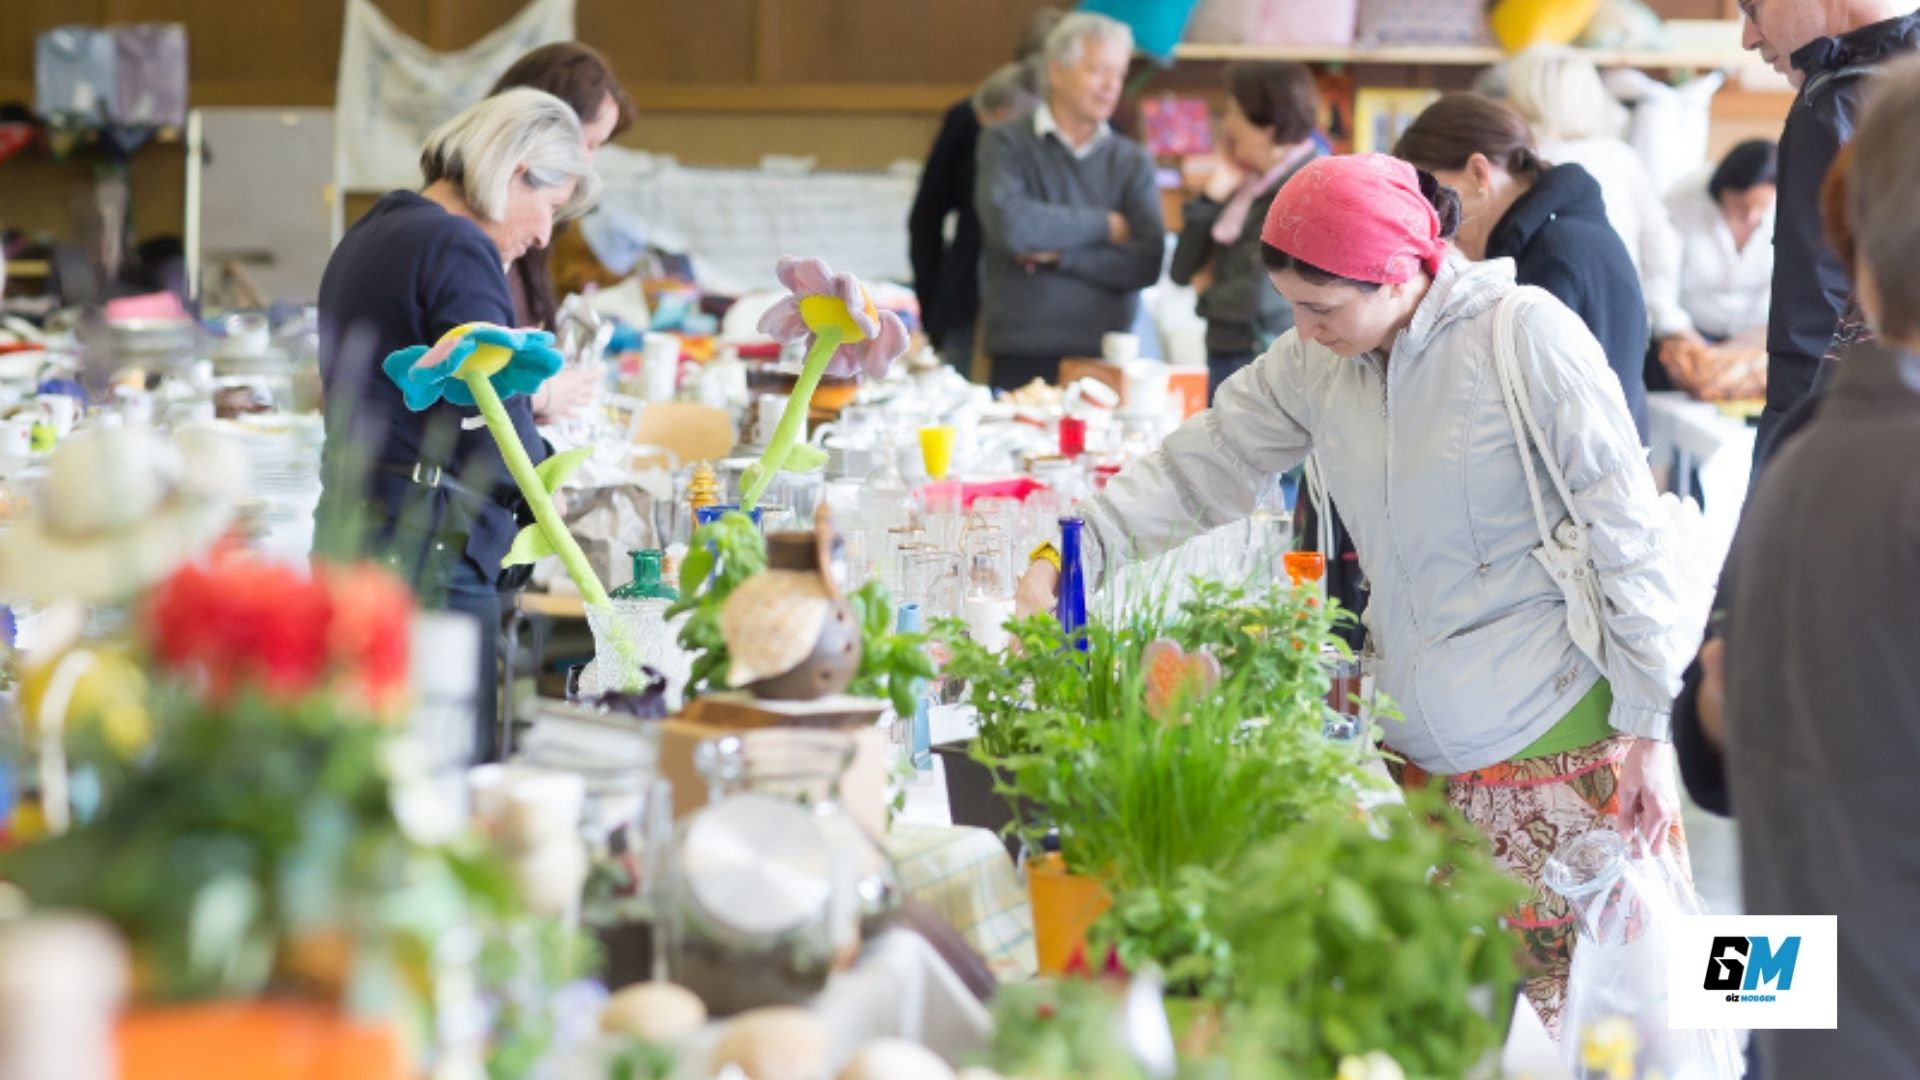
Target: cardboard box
x: 1075, y: 368
x: 863, y: 788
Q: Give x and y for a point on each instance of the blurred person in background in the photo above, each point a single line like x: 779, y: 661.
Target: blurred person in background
x: 1069, y: 212
x: 1725, y: 221
x: 1266, y: 135
x: 1549, y: 219
x: 1726, y: 241
x: 1829, y: 49
x: 1558, y: 92
x: 946, y: 259
x: 581, y: 77
x: 1811, y: 689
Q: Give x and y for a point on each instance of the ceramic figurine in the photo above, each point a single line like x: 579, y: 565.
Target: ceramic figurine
x: 790, y: 632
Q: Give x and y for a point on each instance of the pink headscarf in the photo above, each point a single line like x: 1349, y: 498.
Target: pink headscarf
x: 1359, y: 216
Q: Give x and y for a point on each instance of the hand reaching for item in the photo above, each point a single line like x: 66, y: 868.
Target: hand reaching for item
x: 1037, y: 589
x: 1223, y: 181
x: 1649, y: 802
x: 569, y: 393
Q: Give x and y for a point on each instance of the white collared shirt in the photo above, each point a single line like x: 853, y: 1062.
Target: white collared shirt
x: 1724, y: 289
x: 1044, y: 125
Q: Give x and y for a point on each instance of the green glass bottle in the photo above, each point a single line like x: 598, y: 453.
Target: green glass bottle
x: 646, y: 583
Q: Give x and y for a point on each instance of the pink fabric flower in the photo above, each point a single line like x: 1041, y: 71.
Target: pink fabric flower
x: 872, y: 338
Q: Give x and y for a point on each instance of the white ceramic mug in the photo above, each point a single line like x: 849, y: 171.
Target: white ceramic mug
x: 62, y: 411
x: 16, y: 444
x: 768, y: 411
x: 1120, y: 348
x: 660, y: 365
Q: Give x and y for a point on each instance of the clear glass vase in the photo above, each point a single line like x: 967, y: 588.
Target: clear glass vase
x: 629, y: 635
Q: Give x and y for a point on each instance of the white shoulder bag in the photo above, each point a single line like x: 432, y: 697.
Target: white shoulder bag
x: 1565, y: 548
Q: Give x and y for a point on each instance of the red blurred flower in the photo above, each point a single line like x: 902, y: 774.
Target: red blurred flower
x: 369, y: 634
x: 236, y: 621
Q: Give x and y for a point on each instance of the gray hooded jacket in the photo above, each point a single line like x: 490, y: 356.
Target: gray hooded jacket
x: 1420, y: 459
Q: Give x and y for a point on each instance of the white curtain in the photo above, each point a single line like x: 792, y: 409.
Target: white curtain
x: 394, y: 90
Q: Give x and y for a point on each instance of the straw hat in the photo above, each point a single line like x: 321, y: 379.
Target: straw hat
x: 120, y: 508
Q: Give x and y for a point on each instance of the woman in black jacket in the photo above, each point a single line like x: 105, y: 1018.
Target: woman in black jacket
x: 1266, y: 136
x: 1549, y: 220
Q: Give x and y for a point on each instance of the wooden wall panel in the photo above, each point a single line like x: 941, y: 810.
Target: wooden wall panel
x: 23, y: 20
x: 896, y: 40
x: 661, y: 42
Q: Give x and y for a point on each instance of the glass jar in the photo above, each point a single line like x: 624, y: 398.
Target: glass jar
x: 806, y: 767
x: 773, y: 881
x: 626, y: 821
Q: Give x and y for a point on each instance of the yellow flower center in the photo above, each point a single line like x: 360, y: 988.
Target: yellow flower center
x: 485, y: 359
x: 820, y: 312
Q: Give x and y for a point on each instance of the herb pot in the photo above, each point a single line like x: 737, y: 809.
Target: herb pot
x: 971, y: 798
x: 1065, y: 907
x: 255, y: 1040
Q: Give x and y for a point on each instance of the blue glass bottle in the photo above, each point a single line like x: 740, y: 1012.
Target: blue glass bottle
x: 1072, y: 604
x: 920, y: 742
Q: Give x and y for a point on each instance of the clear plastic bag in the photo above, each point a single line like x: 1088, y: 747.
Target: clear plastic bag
x: 1614, y: 1025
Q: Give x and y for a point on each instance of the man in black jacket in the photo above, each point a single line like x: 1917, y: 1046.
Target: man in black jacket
x: 946, y: 266
x: 1821, y: 692
x: 1828, y: 48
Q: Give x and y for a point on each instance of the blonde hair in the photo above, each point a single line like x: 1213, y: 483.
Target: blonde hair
x: 1559, y: 93
x: 1068, y: 38
x: 480, y: 150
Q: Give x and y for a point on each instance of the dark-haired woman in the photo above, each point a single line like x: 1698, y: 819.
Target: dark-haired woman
x: 1550, y: 220
x: 1726, y: 242
x: 578, y: 75
x: 1265, y: 135
x: 1388, y: 376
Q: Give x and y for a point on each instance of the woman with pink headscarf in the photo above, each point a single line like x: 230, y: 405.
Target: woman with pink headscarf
x: 1388, y: 379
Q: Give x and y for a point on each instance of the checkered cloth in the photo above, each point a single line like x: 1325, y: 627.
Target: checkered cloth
x: 965, y: 876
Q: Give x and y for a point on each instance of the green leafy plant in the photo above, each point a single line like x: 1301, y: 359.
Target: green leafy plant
x: 1270, y: 637
x: 1162, y: 808
x: 1378, y: 932
x: 891, y: 663
x: 721, y: 554
x: 1037, y: 683
x: 1064, y: 1031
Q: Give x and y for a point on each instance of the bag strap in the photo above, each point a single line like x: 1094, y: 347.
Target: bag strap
x: 1526, y: 430
x: 1323, y: 518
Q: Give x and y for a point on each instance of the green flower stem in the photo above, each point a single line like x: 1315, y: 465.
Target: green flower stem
x: 793, y: 422
x: 535, y: 491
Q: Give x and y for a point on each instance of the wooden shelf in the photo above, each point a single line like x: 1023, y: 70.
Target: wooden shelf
x: 798, y: 97
x: 1699, y: 44
x: 1451, y: 57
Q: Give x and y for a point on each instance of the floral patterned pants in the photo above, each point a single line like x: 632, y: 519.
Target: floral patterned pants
x: 1528, y: 809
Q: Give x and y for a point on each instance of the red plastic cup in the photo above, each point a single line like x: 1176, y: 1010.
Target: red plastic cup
x: 1073, y: 436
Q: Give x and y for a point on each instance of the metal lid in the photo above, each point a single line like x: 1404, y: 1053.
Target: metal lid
x: 757, y: 865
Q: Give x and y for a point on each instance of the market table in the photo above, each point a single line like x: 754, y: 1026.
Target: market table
x: 1687, y: 435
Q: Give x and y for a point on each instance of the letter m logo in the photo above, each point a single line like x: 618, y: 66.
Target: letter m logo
x: 1765, y: 965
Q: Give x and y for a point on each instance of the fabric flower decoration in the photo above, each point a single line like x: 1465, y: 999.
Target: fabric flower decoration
x: 480, y: 364
x: 870, y: 339
x: 844, y: 334
x: 514, y: 361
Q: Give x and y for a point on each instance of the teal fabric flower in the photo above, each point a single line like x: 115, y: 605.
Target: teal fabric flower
x: 515, y: 361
